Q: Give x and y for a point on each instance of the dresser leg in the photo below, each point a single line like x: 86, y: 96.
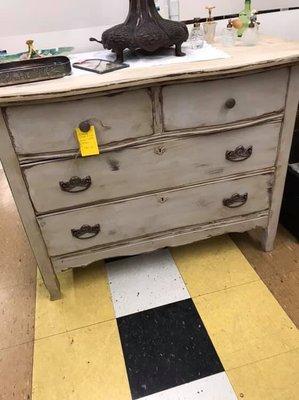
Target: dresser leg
x: 267, y: 236
x: 268, y: 239
x: 51, y: 281
x: 17, y: 185
x: 264, y: 237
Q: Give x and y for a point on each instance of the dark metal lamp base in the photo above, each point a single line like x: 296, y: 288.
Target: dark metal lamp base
x: 144, y: 29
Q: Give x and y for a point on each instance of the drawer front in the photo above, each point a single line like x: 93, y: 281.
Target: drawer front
x: 140, y: 217
x: 174, y: 163
x: 224, y: 101
x: 50, y: 127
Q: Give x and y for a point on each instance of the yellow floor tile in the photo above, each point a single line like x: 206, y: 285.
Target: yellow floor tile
x: 86, y: 300
x: 246, y: 324
x: 276, y: 378
x: 212, y: 265
x: 100, y: 372
x: 52, y: 369
x: 48, y: 314
x: 85, y: 364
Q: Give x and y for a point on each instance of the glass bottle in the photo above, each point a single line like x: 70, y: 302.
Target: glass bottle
x: 196, y: 39
x: 245, y: 17
x: 209, y: 26
x: 174, y: 10
x: 251, y: 36
x: 228, y: 37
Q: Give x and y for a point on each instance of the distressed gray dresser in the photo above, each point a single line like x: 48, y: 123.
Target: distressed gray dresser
x: 188, y: 151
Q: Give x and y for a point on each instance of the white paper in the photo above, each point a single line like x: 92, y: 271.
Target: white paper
x: 164, y: 57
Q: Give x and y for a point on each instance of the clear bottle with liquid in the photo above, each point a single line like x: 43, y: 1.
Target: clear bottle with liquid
x: 228, y: 36
x: 251, y: 35
x: 196, y: 39
x: 209, y: 26
x: 245, y: 17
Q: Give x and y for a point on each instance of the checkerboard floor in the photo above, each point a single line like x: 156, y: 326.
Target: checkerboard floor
x: 189, y: 323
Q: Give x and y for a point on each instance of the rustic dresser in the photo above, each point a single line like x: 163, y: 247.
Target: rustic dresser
x: 188, y: 151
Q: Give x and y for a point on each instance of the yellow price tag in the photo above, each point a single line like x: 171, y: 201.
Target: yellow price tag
x: 88, y: 142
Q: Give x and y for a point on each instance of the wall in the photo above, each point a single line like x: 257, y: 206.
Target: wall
x: 63, y: 23
x: 190, y: 8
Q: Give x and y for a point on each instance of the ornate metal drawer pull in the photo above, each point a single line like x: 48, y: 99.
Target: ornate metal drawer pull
x: 237, y: 200
x: 76, y: 184
x: 86, y: 232
x: 239, y: 154
x: 160, y: 150
x: 230, y: 103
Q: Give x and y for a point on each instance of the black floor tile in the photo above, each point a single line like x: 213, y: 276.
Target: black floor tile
x: 166, y: 347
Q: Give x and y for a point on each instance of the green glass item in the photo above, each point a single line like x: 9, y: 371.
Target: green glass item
x: 245, y: 17
x: 60, y: 51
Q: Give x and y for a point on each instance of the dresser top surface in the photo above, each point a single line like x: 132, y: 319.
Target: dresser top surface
x: 270, y: 52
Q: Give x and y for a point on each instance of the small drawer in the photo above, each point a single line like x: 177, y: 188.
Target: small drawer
x: 142, y: 217
x: 44, y: 128
x: 181, y: 162
x: 195, y: 105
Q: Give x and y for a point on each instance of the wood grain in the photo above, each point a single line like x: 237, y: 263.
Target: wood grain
x: 174, y: 238
x: 268, y: 236
x: 193, y: 105
x: 278, y: 269
x: 116, y: 118
x: 21, y: 197
x: 156, y: 188
x: 144, y: 216
x: 156, y: 138
x: 269, y: 53
x: 114, y: 174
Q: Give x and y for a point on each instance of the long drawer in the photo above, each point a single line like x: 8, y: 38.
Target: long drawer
x: 46, y: 128
x: 193, y: 105
x: 141, y: 217
x: 181, y: 162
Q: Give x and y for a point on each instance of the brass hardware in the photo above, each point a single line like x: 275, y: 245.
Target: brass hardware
x: 84, y: 126
x: 210, y: 9
x: 86, y: 232
x: 162, y: 199
x: 31, y: 53
x: 230, y: 103
x: 239, y: 154
x: 76, y: 184
x: 160, y: 150
x: 236, y: 200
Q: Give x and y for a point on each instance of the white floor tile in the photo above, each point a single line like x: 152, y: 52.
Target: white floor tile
x: 215, y: 387
x: 145, y: 281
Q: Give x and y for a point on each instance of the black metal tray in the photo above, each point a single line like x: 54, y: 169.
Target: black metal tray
x: 37, y: 69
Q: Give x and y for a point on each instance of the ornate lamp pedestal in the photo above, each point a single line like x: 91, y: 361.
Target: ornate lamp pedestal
x: 144, y: 29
